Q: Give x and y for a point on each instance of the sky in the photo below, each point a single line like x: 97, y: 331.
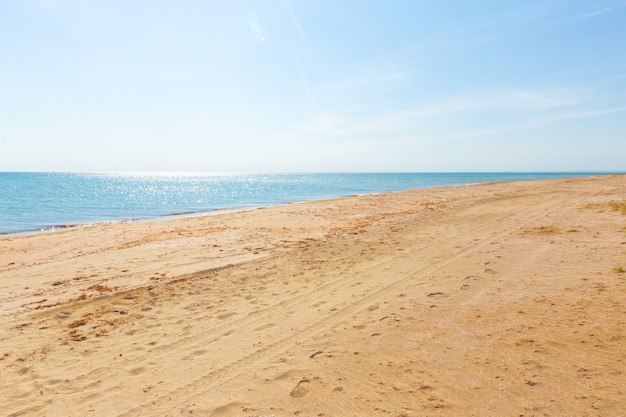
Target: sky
x: 312, y: 85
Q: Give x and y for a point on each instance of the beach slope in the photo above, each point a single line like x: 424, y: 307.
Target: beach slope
x: 482, y: 300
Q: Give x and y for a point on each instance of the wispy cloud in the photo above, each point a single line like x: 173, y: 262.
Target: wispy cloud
x: 588, y: 113
x: 538, y: 122
x: 378, y: 78
x: 486, y: 29
x: 598, y: 12
x: 577, y: 13
x: 469, y: 115
x: 526, y: 19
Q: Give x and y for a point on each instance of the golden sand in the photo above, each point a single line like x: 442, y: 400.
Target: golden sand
x: 486, y: 300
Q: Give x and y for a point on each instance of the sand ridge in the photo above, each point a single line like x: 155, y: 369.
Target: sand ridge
x: 495, y: 299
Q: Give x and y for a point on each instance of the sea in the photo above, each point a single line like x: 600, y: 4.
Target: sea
x: 33, y: 202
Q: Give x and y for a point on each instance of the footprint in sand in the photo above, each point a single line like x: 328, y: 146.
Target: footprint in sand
x: 299, y: 391
x: 137, y: 371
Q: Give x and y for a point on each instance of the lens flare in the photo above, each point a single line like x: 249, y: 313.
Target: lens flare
x: 257, y: 31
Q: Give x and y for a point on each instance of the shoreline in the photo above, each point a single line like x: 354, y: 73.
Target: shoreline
x: 487, y: 299
x: 73, y: 223
x: 67, y: 227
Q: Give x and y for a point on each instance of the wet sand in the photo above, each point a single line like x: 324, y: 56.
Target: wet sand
x: 483, y: 300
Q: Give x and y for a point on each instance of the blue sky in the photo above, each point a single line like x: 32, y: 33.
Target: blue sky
x: 312, y: 85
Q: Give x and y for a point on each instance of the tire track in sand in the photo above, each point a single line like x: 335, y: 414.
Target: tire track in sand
x: 258, y: 317
x: 229, y: 371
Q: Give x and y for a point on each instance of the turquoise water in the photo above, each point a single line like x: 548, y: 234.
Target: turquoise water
x: 31, y: 202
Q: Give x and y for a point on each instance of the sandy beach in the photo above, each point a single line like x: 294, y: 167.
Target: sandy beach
x: 504, y: 299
